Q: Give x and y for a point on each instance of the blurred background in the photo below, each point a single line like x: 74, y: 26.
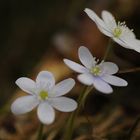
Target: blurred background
x: 37, y: 35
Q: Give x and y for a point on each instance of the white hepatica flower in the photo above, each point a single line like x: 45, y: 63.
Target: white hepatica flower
x: 119, y: 32
x: 44, y: 94
x: 99, y: 75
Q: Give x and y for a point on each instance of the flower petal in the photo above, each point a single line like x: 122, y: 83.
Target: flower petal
x: 114, y: 80
x: 64, y: 104
x: 46, y: 113
x: 137, y: 46
x: 45, y: 79
x: 122, y: 42
x: 24, y: 104
x: 75, y: 66
x: 109, y: 68
x: 86, y: 57
x: 127, y: 34
x: 100, y: 24
x: 62, y: 87
x: 102, y: 86
x: 109, y: 19
x: 26, y: 84
x: 133, y: 44
x: 86, y: 79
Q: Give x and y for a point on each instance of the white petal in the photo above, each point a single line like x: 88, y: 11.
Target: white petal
x: 45, y: 113
x: 26, y: 84
x: 109, y: 19
x: 75, y: 66
x: 62, y: 87
x: 134, y: 44
x: 45, y: 79
x: 24, y: 104
x: 129, y: 43
x: 114, y: 80
x: 122, y: 43
x: 100, y: 24
x: 86, y: 57
x: 64, y: 104
x: 102, y: 86
x: 127, y: 34
x: 109, y: 68
x: 137, y: 46
x: 86, y: 79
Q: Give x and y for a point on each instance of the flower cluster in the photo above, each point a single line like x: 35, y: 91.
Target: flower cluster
x: 47, y: 96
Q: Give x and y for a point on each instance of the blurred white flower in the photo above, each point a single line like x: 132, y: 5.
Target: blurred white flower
x: 44, y: 94
x: 100, y: 75
x: 119, y: 32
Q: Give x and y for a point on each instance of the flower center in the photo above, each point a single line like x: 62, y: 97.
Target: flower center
x: 95, y: 70
x: 43, y: 95
x: 117, y: 32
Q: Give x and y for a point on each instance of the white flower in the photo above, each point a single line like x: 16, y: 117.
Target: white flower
x: 119, y: 32
x: 44, y: 94
x: 100, y: 75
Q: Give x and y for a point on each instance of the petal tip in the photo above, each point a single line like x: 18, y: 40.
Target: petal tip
x: 46, y: 122
x: 18, y: 81
x: 45, y: 72
x: 72, y: 81
x: 87, y: 10
x: 82, y: 47
x: 13, y: 109
x: 108, y: 92
x: 125, y: 83
x: 75, y: 105
x: 105, y: 11
x: 65, y: 60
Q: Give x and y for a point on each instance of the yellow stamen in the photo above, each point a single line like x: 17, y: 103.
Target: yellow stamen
x: 43, y: 95
x: 95, y: 70
x: 117, y: 32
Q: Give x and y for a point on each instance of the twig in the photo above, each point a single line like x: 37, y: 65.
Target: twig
x: 129, y: 70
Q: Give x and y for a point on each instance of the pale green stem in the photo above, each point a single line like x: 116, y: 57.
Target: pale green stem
x: 108, y: 49
x: 40, y: 132
x: 85, y: 95
x: 70, y: 124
